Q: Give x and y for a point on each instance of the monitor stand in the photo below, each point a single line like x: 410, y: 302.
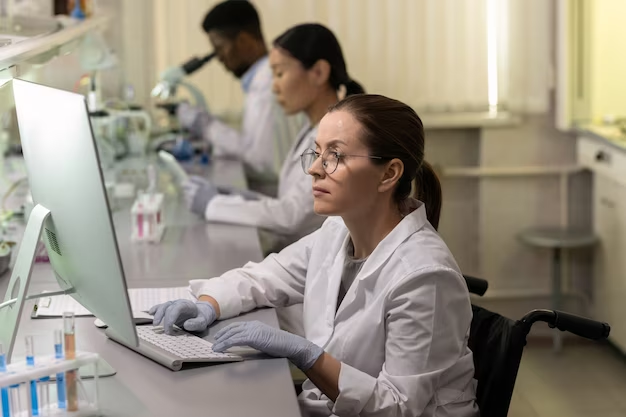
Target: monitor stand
x: 13, y: 305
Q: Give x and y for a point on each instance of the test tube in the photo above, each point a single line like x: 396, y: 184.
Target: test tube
x: 152, y: 180
x: 16, y: 405
x: 70, y: 353
x: 58, y: 354
x: 140, y: 220
x: 44, y: 394
x: 151, y: 225
x: 6, y: 412
x: 30, y: 362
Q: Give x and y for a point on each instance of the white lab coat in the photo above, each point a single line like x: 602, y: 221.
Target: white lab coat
x: 400, y: 333
x: 266, y: 133
x: 291, y: 215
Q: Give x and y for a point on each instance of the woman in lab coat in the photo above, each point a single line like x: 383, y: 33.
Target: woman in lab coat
x: 386, y: 310
x: 309, y: 76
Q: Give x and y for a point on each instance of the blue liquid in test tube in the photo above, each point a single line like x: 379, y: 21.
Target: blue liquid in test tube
x: 58, y: 354
x: 30, y: 361
x: 6, y: 412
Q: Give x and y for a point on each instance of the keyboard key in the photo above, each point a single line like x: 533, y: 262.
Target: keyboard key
x: 182, y: 345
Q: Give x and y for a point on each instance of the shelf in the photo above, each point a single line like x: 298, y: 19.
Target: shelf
x: 45, y: 45
x: 468, y: 120
x: 19, y: 27
x: 511, y: 171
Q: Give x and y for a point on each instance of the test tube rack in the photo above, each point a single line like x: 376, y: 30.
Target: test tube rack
x: 147, y: 218
x: 20, y: 374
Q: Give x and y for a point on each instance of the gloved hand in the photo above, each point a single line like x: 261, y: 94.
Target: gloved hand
x: 193, y: 118
x: 186, y: 314
x: 267, y: 339
x: 198, y: 193
x: 246, y: 194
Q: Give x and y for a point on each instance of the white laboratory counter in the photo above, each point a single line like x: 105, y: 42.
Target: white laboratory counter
x: 190, y: 249
x: 606, y: 159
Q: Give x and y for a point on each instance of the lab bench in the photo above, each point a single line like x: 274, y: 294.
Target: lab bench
x: 190, y: 249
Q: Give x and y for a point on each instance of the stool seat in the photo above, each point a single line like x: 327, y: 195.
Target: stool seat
x: 558, y: 238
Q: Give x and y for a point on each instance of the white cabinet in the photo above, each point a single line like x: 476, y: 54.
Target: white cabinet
x: 602, y: 159
x: 609, y: 217
x: 608, y: 164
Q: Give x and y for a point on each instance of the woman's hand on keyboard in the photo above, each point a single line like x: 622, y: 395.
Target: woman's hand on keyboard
x: 186, y: 314
x: 267, y: 339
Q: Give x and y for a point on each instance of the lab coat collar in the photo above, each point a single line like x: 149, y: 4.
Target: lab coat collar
x: 336, y: 274
x: 248, y: 77
x: 411, y: 223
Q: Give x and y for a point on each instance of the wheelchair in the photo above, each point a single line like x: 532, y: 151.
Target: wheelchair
x: 498, y: 342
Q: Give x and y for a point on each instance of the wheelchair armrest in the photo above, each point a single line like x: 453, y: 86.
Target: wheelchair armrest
x: 476, y: 285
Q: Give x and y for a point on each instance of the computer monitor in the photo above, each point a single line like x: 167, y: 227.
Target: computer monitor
x: 65, y: 179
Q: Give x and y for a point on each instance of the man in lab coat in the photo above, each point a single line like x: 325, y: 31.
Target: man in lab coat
x: 234, y: 30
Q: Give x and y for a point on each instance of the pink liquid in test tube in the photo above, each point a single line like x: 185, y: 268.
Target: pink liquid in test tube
x: 140, y: 222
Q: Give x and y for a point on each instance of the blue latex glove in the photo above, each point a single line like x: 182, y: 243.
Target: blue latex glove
x: 267, y: 339
x: 198, y: 194
x: 183, y: 149
x: 186, y: 314
x: 246, y: 194
x: 194, y: 118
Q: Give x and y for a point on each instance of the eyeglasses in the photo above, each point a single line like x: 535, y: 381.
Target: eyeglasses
x: 330, y: 159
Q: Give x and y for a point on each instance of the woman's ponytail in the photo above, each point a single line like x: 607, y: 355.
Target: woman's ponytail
x: 353, y: 87
x: 428, y: 190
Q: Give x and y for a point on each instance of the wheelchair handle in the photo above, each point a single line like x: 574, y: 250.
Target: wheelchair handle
x: 581, y: 326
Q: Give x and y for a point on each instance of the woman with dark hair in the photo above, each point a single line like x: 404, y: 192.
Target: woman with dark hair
x: 309, y: 75
x: 386, y: 310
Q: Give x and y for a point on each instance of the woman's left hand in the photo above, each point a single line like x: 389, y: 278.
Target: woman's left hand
x: 198, y: 193
x: 269, y: 340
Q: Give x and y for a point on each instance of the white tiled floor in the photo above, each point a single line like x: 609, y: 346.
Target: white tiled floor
x: 585, y: 379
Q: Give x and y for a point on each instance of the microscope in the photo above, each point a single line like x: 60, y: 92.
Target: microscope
x: 171, y: 78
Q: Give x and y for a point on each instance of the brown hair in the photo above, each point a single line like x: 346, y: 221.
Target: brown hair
x: 393, y: 130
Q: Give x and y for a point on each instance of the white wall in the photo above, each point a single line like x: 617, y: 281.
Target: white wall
x: 428, y: 53
x: 431, y: 54
x: 408, y: 49
x: 608, y: 60
x: 528, y: 49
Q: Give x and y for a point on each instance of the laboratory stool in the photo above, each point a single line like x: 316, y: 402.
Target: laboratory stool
x: 557, y: 239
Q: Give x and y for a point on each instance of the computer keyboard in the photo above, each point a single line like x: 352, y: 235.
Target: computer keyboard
x: 182, y: 344
x: 173, y: 351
